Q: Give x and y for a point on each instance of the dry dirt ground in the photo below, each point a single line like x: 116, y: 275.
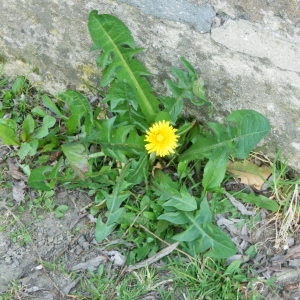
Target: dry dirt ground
x: 44, y: 257
x: 26, y: 243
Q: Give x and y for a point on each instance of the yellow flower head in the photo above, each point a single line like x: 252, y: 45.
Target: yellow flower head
x: 161, y: 138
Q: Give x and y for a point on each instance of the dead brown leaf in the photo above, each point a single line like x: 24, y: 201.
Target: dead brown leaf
x: 249, y: 173
x: 158, y: 166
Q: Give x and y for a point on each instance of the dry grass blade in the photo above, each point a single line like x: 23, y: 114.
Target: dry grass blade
x: 288, y: 221
x: 238, y: 205
x: 164, y: 252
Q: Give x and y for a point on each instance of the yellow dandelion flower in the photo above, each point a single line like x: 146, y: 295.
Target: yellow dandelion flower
x: 161, y: 138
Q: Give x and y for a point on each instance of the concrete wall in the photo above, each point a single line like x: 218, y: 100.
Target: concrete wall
x: 247, y: 51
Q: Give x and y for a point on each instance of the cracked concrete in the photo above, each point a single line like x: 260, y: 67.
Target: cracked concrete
x: 248, y: 52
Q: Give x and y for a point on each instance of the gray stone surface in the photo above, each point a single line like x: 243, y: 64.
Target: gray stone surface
x: 253, y: 40
x: 248, y: 55
x: 199, y: 16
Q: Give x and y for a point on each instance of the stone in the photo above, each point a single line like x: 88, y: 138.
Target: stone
x: 247, y: 52
x: 198, y: 16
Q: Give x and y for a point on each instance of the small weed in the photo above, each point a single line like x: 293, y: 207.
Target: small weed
x: 96, y: 285
x: 20, y: 236
x: 209, y: 279
x: 105, y: 284
x: 135, y: 144
x: 13, y: 291
x: 156, y: 177
x: 42, y: 202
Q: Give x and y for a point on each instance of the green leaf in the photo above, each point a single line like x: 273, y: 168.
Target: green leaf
x: 248, y: 127
x: 43, y: 131
x: 103, y: 230
x: 118, y: 142
x: 202, y: 237
x: 50, y: 104
x: 233, y: 268
x: 177, y: 218
x: 81, y: 111
x: 183, y: 169
x: 118, y: 195
x: 77, y: 157
x: 167, y: 190
x: 28, y: 126
x: 138, y: 170
x: 19, y: 85
x: 44, y: 178
x: 163, y: 182
x: 245, y: 130
x: 203, y: 147
x: 114, y: 200
x: 114, y: 217
x: 173, y: 106
x: 113, y: 37
x: 221, y: 244
x: 202, y: 216
x: 259, y: 200
x: 192, y: 233
x: 119, y: 93
x: 183, y: 200
x: 8, y: 135
x: 163, y: 115
x: 38, y: 111
x: 199, y: 92
x: 103, y: 131
x: 214, y: 173
x: 28, y: 149
x: 60, y: 211
x: 214, y: 242
x: 188, y: 85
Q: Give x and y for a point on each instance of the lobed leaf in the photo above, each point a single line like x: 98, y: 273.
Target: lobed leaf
x: 81, y: 111
x: 188, y: 84
x: 139, y: 170
x: 118, y: 142
x: 205, y: 236
x: 103, y: 230
x: 243, y: 132
x: 113, y: 37
x: 247, y: 128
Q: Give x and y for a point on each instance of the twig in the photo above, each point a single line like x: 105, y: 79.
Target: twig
x: 164, y: 252
x: 166, y: 243
x: 238, y: 205
x: 182, y: 252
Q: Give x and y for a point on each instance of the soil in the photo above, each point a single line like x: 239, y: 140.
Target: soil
x: 39, y: 252
x: 66, y: 241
